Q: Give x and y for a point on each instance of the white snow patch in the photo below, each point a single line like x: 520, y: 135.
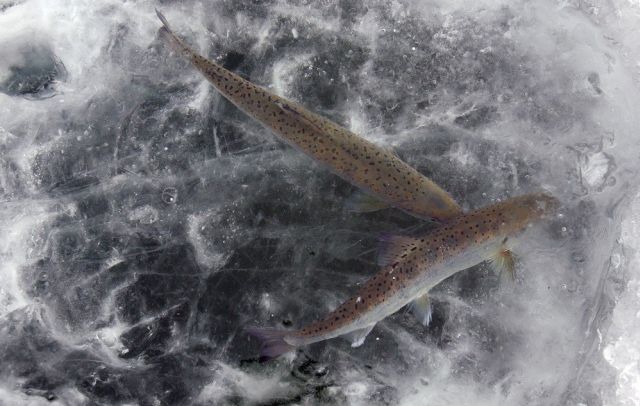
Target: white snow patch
x: 253, y: 388
x: 623, y: 350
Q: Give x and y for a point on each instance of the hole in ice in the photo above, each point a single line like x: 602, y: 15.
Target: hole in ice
x: 169, y: 195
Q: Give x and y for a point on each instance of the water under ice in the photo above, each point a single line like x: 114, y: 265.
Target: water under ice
x: 146, y: 221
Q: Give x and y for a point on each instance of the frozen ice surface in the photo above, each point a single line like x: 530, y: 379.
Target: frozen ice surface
x: 146, y: 221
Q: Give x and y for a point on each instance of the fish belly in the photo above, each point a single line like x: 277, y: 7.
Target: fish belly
x: 465, y: 259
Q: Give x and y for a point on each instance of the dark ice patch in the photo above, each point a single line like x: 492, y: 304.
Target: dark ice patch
x: 7, y: 4
x: 152, y: 338
x: 233, y: 59
x: 35, y: 72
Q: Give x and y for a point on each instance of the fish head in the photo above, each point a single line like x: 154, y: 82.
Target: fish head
x: 521, y: 211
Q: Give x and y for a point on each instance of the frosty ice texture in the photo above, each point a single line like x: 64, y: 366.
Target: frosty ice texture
x: 145, y: 220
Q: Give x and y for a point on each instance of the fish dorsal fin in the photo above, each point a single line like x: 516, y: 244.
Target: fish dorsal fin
x: 391, y: 151
x: 391, y: 247
x: 421, y: 308
x: 361, y: 202
x: 300, y: 116
x: 357, y: 337
x: 503, y: 262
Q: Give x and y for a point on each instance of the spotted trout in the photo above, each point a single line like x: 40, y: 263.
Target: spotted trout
x: 384, y: 178
x: 412, y: 266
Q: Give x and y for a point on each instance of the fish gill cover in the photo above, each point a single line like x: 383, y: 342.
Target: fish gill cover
x: 146, y: 221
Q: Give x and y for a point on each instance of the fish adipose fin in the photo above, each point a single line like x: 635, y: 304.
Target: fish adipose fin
x: 357, y: 337
x: 421, y: 308
x: 504, y: 263
x: 273, y: 343
x: 391, y: 247
x: 360, y: 202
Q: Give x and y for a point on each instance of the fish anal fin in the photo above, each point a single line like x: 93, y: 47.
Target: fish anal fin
x: 421, y: 308
x: 361, y: 202
x: 357, y: 337
x: 391, y: 248
x: 503, y: 262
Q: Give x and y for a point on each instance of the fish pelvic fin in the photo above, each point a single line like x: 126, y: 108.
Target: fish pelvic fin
x: 360, y: 202
x: 421, y: 308
x: 273, y: 342
x: 391, y: 247
x: 357, y: 337
x: 504, y: 262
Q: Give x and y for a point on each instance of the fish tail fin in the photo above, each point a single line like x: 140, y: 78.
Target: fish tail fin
x: 361, y: 202
x: 273, y: 343
x: 163, y: 19
x: 166, y: 33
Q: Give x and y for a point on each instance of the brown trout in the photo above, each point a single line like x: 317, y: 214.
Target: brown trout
x: 412, y: 266
x: 384, y: 178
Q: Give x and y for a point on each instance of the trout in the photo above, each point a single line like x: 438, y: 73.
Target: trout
x: 412, y: 266
x: 384, y: 178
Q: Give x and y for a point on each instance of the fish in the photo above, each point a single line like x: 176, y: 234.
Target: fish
x: 382, y: 177
x: 411, y: 266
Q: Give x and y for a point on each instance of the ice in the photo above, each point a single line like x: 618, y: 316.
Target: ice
x: 255, y: 389
x: 32, y: 72
x: 146, y: 222
x: 621, y: 349
x: 148, y: 214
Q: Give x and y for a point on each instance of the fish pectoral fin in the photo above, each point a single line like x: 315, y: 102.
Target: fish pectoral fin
x: 361, y: 202
x: 503, y: 261
x: 391, y: 247
x: 421, y: 308
x: 357, y: 337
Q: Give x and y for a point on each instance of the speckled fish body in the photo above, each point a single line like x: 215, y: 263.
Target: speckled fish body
x: 415, y: 265
x: 373, y: 169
